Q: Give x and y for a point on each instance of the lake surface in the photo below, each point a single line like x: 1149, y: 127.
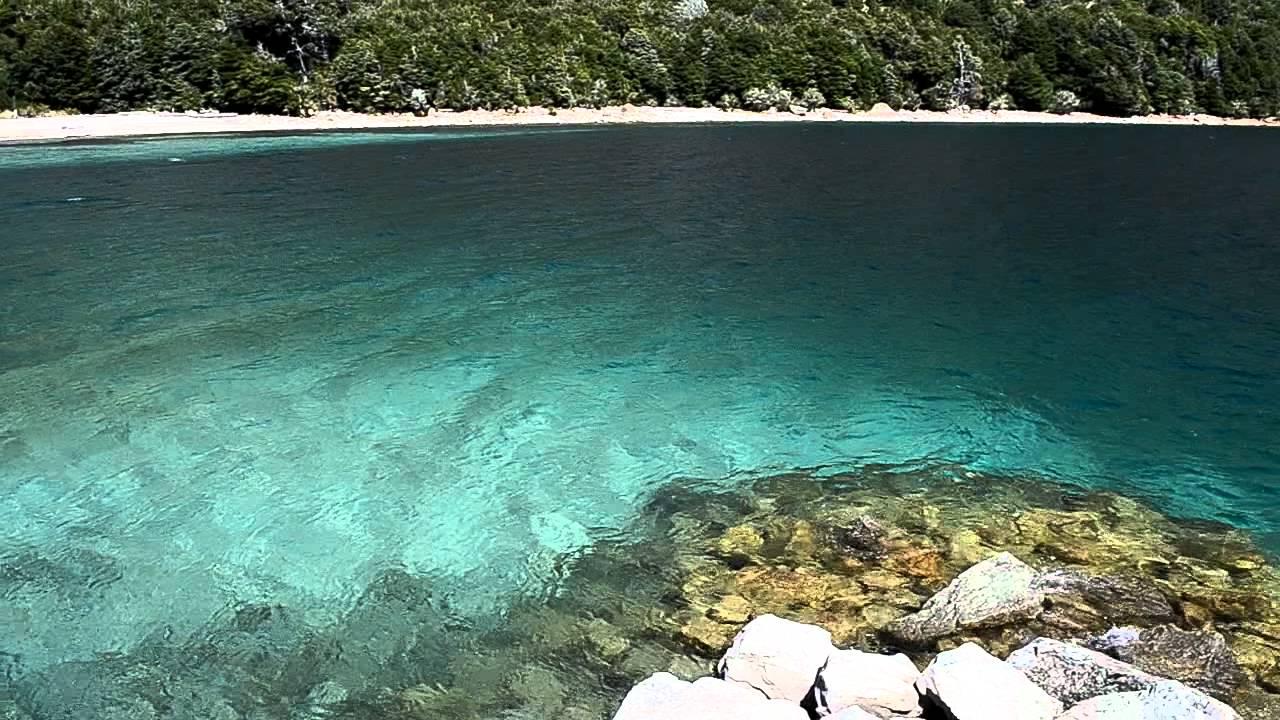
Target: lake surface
x: 267, y: 370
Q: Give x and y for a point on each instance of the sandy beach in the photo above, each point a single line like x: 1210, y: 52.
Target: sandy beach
x: 67, y: 127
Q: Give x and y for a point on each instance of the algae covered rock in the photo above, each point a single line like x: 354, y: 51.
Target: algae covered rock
x: 1198, y: 658
x: 778, y: 657
x: 969, y: 684
x: 1080, y: 601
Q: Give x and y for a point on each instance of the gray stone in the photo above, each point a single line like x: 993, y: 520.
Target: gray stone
x: 997, y: 591
x: 863, y: 538
x: 969, y: 684
x: 1072, y: 673
x: 663, y: 696
x: 1201, y: 658
x: 881, y: 684
x: 1166, y: 700
x: 1080, y: 602
x: 1002, y: 591
x: 780, y: 658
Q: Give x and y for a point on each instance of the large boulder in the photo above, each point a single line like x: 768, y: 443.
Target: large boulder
x: 780, y: 658
x: 968, y: 684
x: 1201, y: 658
x: 853, y: 713
x: 1167, y: 700
x: 1072, y: 673
x: 1080, y: 602
x: 997, y: 591
x: 881, y: 684
x: 1002, y: 591
x: 663, y: 696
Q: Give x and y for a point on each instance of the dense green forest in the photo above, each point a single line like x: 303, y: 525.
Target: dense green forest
x: 298, y: 56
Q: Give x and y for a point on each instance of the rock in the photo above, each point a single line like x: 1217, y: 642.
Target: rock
x: 882, y: 684
x: 1077, y: 601
x: 780, y: 658
x: 704, y: 635
x: 539, y: 690
x: 605, y: 640
x: 995, y: 592
x: 663, y: 696
x: 882, y: 109
x: 1072, y: 673
x: 969, y: 684
x: 732, y: 609
x: 740, y: 544
x: 1198, y: 658
x: 853, y: 713
x: 1166, y: 700
x: 862, y: 538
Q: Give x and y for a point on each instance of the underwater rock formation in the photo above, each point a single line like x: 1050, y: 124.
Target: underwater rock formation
x: 854, y: 554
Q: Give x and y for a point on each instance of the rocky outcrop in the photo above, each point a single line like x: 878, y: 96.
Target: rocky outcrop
x: 1003, y: 591
x: 1198, y: 658
x: 1166, y: 700
x: 994, y: 592
x: 1072, y: 673
x: 969, y: 684
x: 881, y: 684
x: 780, y: 658
x: 666, y: 697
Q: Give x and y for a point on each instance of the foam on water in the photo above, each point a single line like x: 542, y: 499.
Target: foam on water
x: 272, y: 371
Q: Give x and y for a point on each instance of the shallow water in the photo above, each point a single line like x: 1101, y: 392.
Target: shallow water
x: 242, y: 370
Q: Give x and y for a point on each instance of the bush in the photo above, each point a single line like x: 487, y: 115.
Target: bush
x: 1064, y: 102
x: 728, y: 102
x: 812, y: 99
x: 771, y: 97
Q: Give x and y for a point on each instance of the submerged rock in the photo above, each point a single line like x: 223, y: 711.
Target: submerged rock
x: 1079, y: 601
x: 666, y: 697
x: 969, y: 684
x: 780, y: 658
x: 1199, y: 658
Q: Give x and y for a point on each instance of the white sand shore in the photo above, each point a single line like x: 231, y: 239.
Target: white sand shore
x: 65, y: 127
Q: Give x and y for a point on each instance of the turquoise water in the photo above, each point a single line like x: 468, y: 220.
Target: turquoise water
x: 242, y: 370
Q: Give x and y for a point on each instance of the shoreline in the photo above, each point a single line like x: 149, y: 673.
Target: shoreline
x: 139, y: 124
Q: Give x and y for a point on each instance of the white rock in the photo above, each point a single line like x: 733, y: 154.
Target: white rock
x: 882, y: 684
x: 853, y: 713
x: 996, y: 591
x: 780, y: 658
x: 663, y: 696
x: 972, y: 685
x: 1167, y: 700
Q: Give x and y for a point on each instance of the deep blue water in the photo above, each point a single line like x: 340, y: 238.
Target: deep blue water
x: 264, y: 369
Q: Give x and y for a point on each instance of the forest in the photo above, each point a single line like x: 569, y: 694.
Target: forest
x: 1115, y: 57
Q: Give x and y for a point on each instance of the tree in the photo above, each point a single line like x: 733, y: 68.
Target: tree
x: 1028, y: 86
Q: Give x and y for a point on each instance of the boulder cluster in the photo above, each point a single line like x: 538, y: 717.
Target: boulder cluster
x: 778, y: 669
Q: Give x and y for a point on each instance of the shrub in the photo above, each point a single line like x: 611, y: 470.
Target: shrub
x: 1064, y: 102
x: 812, y: 99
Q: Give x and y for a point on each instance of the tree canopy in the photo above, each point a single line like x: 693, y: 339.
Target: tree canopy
x: 1118, y: 57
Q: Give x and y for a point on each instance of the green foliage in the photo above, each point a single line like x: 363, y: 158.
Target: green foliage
x: 302, y: 56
